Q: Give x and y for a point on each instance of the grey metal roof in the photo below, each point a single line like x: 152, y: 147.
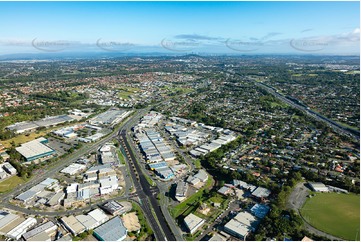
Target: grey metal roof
x: 26, y: 195
x: 113, y: 230
x: 38, y: 230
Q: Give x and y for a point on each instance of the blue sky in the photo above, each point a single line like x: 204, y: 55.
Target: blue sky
x: 219, y: 27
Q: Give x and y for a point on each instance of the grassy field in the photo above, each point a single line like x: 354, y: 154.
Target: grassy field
x: 126, y: 92
x: 10, y: 183
x: 23, y: 138
x: 336, y: 214
x: 197, y: 163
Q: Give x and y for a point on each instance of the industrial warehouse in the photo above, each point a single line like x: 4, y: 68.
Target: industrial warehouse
x: 36, y: 149
x: 45, y: 122
x: 110, y: 117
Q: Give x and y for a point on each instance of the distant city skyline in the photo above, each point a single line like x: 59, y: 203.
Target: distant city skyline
x: 181, y: 27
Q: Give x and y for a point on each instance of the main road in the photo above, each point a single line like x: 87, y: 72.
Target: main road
x: 147, y: 195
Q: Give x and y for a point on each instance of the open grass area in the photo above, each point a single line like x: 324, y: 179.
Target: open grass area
x: 10, y: 183
x: 121, y: 157
x: 190, y: 203
x: 126, y: 92
x: 197, y: 163
x: 278, y: 104
x: 348, y: 126
x: 336, y: 214
x: 23, y: 138
x: 218, y: 198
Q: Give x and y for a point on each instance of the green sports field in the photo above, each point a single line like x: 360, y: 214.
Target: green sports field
x: 335, y: 214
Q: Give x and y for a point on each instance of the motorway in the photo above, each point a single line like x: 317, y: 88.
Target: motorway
x: 337, y: 127
x: 332, y: 124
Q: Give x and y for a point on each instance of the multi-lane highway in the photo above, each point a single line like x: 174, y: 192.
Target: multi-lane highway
x: 147, y: 195
x: 337, y: 127
x: 163, y: 188
x: 332, y: 124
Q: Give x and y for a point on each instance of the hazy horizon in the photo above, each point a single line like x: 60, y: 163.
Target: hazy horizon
x: 320, y: 28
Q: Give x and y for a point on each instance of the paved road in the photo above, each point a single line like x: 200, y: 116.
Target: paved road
x: 147, y: 196
x: 296, y: 200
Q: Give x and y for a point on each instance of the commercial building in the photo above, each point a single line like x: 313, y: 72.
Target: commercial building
x: 6, y: 218
x: 93, y: 219
x: 21, y: 229
x: 73, y: 169
x: 9, y: 168
x: 318, y: 187
x: 113, y: 230
x: 108, y: 185
x: 261, y: 192
x: 219, y: 237
x: 157, y: 165
x: 56, y: 199
x: 35, y: 149
x: 113, y: 208
x: 30, y: 194
x: 73, y: 225
x: 108, y: 155
x: 45, y: 122
x: 87, y: 221
x: 201, y: 176
x: 193, y: 222
x: 260, y: 210
x: 54, y: 120
x: 22, y: 127
x: 40, y: 237
x: 109, y: 117
x: 165, y: 172
x: 241, y: 225
x: 48, y: 228
x: 65, y: 238
x: 181, y: 191
x: 65, y: 132
x: 150, y: 119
